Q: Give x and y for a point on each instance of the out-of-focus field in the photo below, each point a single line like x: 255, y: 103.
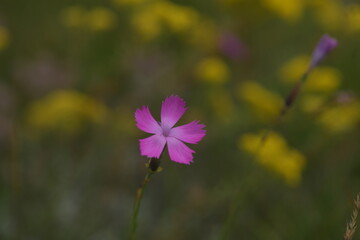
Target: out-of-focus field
x: 72, y: 74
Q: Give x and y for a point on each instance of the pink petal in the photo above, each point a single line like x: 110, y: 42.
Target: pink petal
x: 145, y: 121
x: 178, y: 151
x: 153, y: 146
x: 171, y: 111
x: 191, y: 133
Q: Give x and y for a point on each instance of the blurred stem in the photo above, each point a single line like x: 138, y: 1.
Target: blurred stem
x: 244, y: 190
x: 288, y: 103
x: 237, y: 200
x: 291, y: 97
x: 233, y: 209
x: 139, y: 195
x: 153, y: 166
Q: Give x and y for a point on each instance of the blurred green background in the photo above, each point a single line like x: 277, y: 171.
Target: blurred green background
x: 72, y: 74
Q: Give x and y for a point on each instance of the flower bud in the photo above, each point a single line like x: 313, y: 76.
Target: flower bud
x: 325, y: 45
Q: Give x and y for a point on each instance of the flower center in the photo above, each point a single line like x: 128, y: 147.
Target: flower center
x: 165, y: 130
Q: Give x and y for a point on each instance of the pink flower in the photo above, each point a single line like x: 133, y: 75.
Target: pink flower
x: 165, y: 133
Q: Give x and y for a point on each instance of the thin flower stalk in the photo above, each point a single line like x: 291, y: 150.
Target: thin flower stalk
x: 325, y: 45
x: 152, y: 167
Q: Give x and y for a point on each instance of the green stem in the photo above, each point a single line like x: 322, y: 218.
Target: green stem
x: 153, y: 166
x: 288, y: 103
x: 244, y: 189
x: 233, y: 209
x: 139, y: 195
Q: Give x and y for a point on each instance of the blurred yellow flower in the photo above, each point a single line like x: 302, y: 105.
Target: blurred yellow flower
x: 264, y: 103
x: 321, y: 79
x: 293, y: 69
x: 100, y: 19
x: 157, y: 16
x: 181, y: 18
x: 73, y: 16
x: 4, y: 37
x: 289, y: 10
x: 275, y: 155
x: 176, y: 18
x: 312, y: 103
x: 290, y: 166
x: 97, y: 19
x: 67, y: 111
x: 341, y: 118
x: 275, y: 145
x: 353, y: 17
x: 329, y: 13
x: 128, y: 2
x: 146, y: 23
x: 212, y: 70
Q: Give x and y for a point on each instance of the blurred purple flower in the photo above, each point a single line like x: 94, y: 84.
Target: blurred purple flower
x: 232, y: 47
x: 344, y: 97
x: 325, y: 45
x: 164, y: 133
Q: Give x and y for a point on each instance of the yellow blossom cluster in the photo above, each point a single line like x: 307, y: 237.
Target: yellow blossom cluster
x: 96, y: 19
x: 328, y: 13
x: 67, y: 111
x: 276, y: 155
x: 341, y: 118
x: 320, y: 88
x: 212, y: 70
x: 352, y: 16
x: 335, y: 15
x: 289, y: 10
x: 265, y: 104
x: 321, y: 79
x: 321, y: 82
x: 154, y: 17
x: 312, y: 103
x: 215, y: 72
x: 122, y: 3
